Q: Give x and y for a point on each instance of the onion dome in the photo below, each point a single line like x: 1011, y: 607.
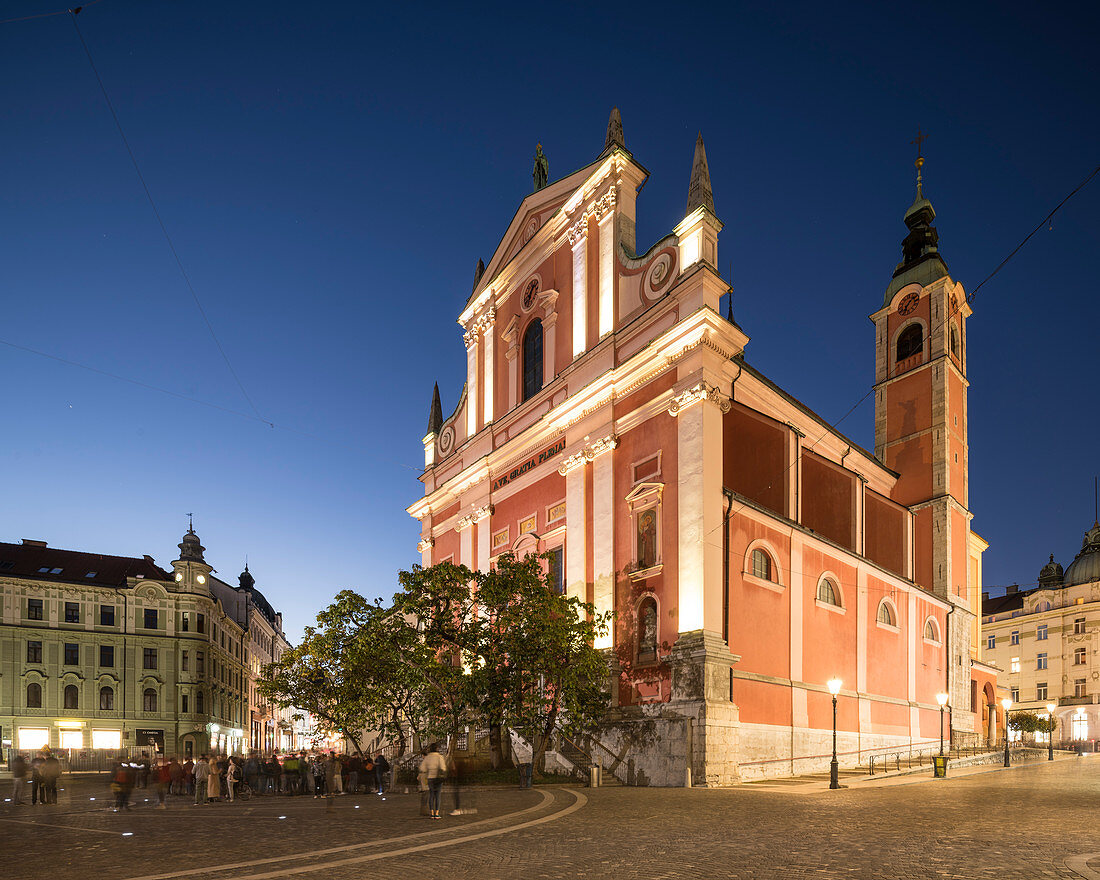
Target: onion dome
x: 246, y: 579
x: 1051, y: 574
x: 920, y: 252
x: 1085, y: 568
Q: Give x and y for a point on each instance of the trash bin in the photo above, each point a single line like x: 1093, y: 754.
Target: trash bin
x: 593, y: 777
x: 939, y: 766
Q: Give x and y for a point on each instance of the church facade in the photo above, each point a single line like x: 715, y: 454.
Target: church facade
x: 751, y: 553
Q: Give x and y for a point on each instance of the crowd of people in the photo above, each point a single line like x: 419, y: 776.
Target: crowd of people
x: 211, y: 778
x: 40, y: 774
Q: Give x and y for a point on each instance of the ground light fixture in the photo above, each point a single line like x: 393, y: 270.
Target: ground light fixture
x: 834, y: 768
x: 1050, y: 731
x: 1006, y: 703
x: 942, y: 700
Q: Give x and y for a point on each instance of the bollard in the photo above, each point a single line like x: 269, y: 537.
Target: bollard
x: 593, y: 777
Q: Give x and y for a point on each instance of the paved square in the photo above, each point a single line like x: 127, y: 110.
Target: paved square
x: 1023, y: 822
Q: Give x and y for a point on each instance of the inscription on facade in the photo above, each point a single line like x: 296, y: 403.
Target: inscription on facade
x: 533, y: 462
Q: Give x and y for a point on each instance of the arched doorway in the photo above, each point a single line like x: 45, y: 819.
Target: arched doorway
x: 989, y: 715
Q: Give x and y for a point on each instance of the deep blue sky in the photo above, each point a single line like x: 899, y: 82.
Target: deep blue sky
x: 330, y: 174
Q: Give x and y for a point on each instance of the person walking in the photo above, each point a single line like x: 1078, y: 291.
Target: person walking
x: 19, y: 780
x: 332, y: 773
x: 38, y: 791
x: 232, y: 777
x: 175, y: 777
x: 434, y: 767
x: 123, y: 784
x: 381, y: 768
x: 51, y: 771
x: 213, y: 781
x: 163, y: 775
x: 202, y: 771
x: 188, y: 776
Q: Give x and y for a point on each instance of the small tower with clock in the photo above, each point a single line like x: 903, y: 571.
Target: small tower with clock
x: 190, y: 570
x: 921, y: 426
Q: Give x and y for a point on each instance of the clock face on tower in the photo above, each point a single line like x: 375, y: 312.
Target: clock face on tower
x: 908, y: 304
x: 530, y: 293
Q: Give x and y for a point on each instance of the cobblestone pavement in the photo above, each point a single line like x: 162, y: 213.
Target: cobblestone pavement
x: 1017, y: 823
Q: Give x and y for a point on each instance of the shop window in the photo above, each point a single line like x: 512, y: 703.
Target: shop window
x: 31, y: 739
x: 34, y: 695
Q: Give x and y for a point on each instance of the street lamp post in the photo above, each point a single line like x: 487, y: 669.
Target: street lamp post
x: 834, y: 767
x: 1006, y: 703
x: 1050, y: 731
x: 942, y: 700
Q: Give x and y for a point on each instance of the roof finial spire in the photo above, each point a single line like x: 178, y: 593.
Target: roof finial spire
x: 699, y: 191
x: 435, y: 415
x: 918, y: 140
x: 190, y: 523
x: 615, y: 136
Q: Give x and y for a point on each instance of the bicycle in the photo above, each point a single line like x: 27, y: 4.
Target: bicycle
x: 243, y: 791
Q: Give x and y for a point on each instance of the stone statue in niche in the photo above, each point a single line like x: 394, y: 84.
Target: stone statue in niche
x: 647, y: 539
x: 542, y: 168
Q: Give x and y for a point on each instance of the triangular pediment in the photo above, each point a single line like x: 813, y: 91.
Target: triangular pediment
x: 532, y: 215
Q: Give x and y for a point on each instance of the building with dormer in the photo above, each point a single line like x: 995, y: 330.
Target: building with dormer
x: 102, y: 652
x: 611, y: 418
x: 1046, y: 642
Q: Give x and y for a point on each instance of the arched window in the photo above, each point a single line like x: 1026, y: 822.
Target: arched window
x: 1043, y: 606
x: 886, y: 614
x: 106, y: 698
x: 34, y: 695
x: 762, y: 565
x: 828, y: 592
x: 72, y: 697
x: 910, y: 342
x: 149, y: 700
x: 532, y: 359
x: 954, y: 340
x: 647, y: 630
x: 930, y: 630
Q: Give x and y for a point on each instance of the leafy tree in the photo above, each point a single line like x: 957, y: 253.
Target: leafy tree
x: 523, y: 653
x: 359, y: 669
x: 1031, y: 722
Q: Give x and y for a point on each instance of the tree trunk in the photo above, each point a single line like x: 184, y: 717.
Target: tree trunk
x: 496, y: 753
x: 543, y: 740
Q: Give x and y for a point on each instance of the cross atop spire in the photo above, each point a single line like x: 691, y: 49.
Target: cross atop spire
x: 699, y: 191
x: 190, y: 523
x: 918, y: 140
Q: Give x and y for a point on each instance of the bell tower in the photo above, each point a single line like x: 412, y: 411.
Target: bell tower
x: 921, y: 425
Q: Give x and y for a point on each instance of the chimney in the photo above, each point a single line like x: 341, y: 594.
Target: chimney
x: 28, y: 542
x: 149, y: 559
x: 985, y: 595
x: 1012, y: 589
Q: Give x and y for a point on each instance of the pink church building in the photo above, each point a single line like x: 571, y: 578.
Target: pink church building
x: 611, y: 418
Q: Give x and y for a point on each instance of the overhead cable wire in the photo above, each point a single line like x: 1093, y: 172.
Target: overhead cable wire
x: 161, y: 390
x: 75, y: 10
x: 156, y: 213
x: 833, y: 429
